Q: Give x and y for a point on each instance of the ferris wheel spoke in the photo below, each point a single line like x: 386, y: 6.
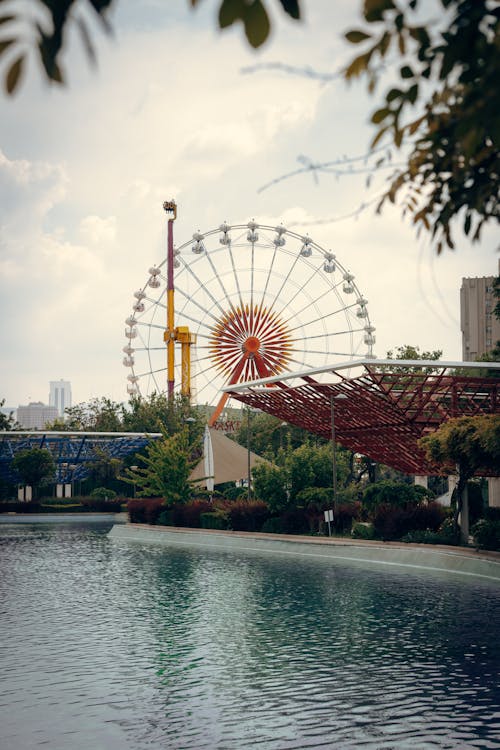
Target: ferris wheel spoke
x: 255, y: 306
x: 289, y: 301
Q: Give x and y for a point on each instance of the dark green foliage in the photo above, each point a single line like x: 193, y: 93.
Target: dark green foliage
x: 392, y: 522
x: 345, y: 515
x: 100, y: 505
x: 145, y: 510
x: 444, y: 107
x: 487, y: 534
x: 17, y: 507
x: 247, y: 516
x: 189, y: 514
x: 273, y: 525
x: 34, y: 466
x: 362, y: 531
x: 215, y: 520
x: 392, y: 493
x: 103, y: 493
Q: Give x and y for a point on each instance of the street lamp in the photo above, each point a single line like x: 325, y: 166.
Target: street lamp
x: 333, y: 399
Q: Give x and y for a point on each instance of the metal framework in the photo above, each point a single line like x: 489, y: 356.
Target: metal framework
x: 73, y: 452
x: 384, y: 409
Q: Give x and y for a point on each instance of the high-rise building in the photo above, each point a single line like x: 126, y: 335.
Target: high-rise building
x: 35, y: 416
x: 60, y: 395
x: 480, y: 327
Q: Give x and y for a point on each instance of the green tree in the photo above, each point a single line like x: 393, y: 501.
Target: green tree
x: 97, y: 415
x: 34, y: 465
x: 48, y: 24
x: 467, y: 446
x: 165, y: 470
x: 6, y: 421
x: 443, y: 107
x: 270, y: 485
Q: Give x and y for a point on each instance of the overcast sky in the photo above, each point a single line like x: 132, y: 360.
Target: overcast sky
x: 171, y: 112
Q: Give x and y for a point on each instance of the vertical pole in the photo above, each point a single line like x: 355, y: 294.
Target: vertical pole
x: 249, y: 492
x: 170, y: 209
x: 170, y: 311
x: 334, y: 457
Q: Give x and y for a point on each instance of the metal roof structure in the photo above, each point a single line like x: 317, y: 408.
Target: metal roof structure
x: 380, y: 408
x: 73, y: 452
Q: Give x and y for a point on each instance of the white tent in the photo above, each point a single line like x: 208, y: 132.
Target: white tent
x: 223, y: 460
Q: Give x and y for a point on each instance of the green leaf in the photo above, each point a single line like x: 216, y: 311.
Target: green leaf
x: 467, y: 223
x: 257, y: 25
x: 374, y: 9
x: 394, y: 94
x: 231, y: 11
x: 13, y: 76
x: 380, y: 115
x: 358, y: 65
x: 356, y: 36
x: 291, y: 7
x: 5, y: 44
x: 412, y: 93
x: 406, y: 72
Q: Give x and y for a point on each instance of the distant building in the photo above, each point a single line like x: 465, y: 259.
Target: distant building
x: 35, y: 416
x: 60, y: 395
x: 480, y: 327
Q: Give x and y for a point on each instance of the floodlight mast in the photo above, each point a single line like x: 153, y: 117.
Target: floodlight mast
x: 172, y: 333
x: 170, y: 209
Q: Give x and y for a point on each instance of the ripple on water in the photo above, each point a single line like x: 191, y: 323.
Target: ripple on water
x: 112, y: 645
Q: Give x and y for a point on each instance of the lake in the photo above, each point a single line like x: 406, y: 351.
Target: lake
x: 109, y: 644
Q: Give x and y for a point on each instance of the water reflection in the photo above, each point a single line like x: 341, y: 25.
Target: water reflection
x: 109, y: 644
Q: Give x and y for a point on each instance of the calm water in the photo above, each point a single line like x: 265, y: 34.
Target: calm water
x: 118, y: 645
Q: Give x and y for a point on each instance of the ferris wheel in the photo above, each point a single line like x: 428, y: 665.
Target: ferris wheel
x: 251, y: 301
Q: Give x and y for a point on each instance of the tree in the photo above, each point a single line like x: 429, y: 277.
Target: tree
x: 34, y: 465
x: 6, y: 421
x: 166, y: 466
x: 49, y: 38
x: 448, y: 82
x: 467, y: 445
x: 97, y: 415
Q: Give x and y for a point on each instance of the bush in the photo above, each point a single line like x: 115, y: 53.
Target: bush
x: 395, y: 494
x: 273, y: 525
x: 247, y: 516
x: 165, y: 518
x: 345, y: 514
x: 145, y: 510
x: 99, y: 505
x: 487, y: 534
x: 102, y: 493
x: 215, y: 520
x: 295, y: 521
x: 392, y: 522
x: 189, y: 514
x: 362, y: 531
x: 16, y: 507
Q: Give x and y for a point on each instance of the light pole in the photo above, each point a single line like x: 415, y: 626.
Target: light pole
x: 333, y: 398
x: 134, y: 468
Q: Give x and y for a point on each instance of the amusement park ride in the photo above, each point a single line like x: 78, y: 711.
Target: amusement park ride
x: 259, y: 302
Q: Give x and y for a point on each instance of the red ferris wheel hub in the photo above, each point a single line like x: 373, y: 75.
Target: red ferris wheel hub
x: 249, y: 343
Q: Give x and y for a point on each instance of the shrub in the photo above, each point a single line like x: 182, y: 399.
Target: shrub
x: 100, y: 505
x: 165, y: 518
x: 392, y: 522
x: 345, y: 515
x: 295, y: 521
x: 362, y: 531
x: 189, y: 514
x: 102, y: 493
x: 18, y: 507
x: 396, y: 494
x: 273, y: 525
x: 247, y: 516
x: 487, y: 534
x: 315, y: 496
x: 215, y: 520
x: 145, y: 510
